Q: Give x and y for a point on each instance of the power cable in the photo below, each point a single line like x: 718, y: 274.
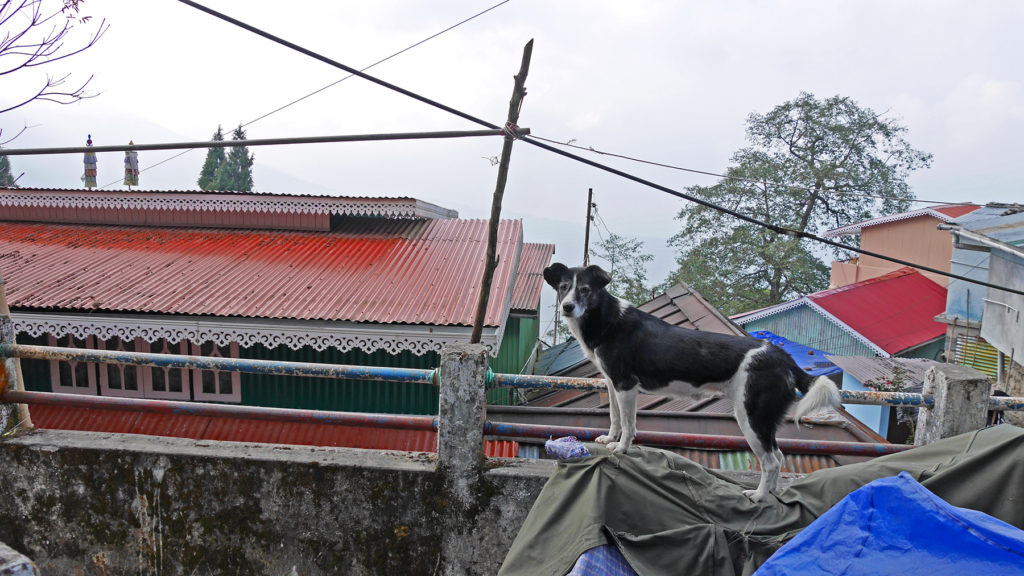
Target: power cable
x: 740, y: 216
x: 335, y: 83
x: 739, y: 179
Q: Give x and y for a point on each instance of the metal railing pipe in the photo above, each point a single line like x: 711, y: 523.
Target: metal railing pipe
x: 401, y: 422
x: 270, y: 367
x: 700, y: 441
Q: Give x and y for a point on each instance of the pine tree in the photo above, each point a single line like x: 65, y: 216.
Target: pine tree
x: 214, y: 159
x: 236, y: 172
x: 6, y: 178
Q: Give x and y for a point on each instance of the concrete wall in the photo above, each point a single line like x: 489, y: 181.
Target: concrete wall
x: 91, y: 503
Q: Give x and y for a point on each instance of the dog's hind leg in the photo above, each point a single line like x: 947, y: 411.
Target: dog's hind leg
x: 615, y: 430
x: 627, y: 419
x: 767, y: 456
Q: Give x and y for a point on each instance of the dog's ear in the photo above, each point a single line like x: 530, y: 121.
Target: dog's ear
x: 601, y: 278
x: 553, y: 274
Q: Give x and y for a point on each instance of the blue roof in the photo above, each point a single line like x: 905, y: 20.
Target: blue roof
x: 811, y: 360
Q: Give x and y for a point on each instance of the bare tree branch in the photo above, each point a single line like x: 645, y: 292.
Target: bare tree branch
x: 32, y: 35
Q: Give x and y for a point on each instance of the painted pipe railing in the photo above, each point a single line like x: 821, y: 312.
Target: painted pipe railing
x: 699, y: 441
x: 394, y: 421
x: 385, y: 374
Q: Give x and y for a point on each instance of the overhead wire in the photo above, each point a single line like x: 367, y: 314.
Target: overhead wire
x: 782, y: 230
x: 332, y: 84
x: 739, y: 179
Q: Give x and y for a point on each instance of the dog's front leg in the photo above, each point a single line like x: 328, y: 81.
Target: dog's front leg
x: 615, y: 430
x: 627, y: 419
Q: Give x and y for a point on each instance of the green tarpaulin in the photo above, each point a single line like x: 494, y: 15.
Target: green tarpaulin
x: 669, y: 515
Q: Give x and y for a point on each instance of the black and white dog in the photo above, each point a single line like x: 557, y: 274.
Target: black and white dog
x: 636, y: 351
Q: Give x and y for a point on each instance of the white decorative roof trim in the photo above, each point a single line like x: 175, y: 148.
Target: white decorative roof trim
x: 386, y: 207
x: 295, y: 334
x: 858, y: 226
x: 846, y: 328
x: 766, y: 312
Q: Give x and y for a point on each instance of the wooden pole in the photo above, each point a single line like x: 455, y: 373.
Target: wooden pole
x: 10, y: 368
x: 586, y: 235
x: 518, y: 92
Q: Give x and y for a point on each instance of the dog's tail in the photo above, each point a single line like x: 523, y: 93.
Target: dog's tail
x: 821, y: 393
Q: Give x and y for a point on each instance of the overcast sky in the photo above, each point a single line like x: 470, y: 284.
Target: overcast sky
x: 671, y: 82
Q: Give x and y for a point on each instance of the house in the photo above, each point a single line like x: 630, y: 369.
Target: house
x: 341, y: 280
x: 994, y: 231
x: 910, y: 236
x: 888, y: 315
x: 888, y: 375
x: 682, y: 306
x: 984, y: 323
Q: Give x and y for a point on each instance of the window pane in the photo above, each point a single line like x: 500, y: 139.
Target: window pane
x: 114, y: 376
x: 174, y: 379
x: 225, y: 382
x: 209, y: 382
x: 159, y: 380
x: 81, y: 374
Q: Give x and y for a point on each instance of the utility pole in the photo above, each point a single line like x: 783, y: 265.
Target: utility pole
x: 586, y: 236
x: 511, y: 132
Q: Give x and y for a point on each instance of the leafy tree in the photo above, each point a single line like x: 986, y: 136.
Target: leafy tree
x: 7, y: 180
x: 627, y: 265
x: 39, y: 33
x: 811, y: 165
x: 215, y: 158
x: 236, y: 171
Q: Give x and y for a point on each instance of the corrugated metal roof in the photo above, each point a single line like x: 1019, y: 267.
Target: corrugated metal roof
x: 366, y: 270
x: 254, y: 431
x: 877, y: 369
x: 530, y: 278
x: 895, y: 311
x: 943, y: 213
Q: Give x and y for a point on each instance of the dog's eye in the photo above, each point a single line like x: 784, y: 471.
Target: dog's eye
x: 563, y: 286
x: 584, y: 290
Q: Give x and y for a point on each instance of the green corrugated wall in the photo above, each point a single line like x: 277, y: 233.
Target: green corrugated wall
x: 341, y: 395
x: 516, y: 347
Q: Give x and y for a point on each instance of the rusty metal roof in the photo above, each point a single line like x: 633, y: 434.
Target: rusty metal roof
x: 240, y: 430
x: 530, y: 279
x: 365, y: 270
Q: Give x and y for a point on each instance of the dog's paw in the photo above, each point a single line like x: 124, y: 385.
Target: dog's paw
x: 618, y: 447
x: 606, y: 439
x: 755, y: 496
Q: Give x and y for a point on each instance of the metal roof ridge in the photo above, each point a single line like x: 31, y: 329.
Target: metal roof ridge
x: 857, y: 227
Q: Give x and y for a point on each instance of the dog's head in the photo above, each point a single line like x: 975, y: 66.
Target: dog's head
x: 579, y: 289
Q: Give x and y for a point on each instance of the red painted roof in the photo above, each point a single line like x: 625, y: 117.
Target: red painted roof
x: 530, y: 280
x: 956, y: 210
x: 255, y: 431
x: 895, y: 311
x: 365, y: 270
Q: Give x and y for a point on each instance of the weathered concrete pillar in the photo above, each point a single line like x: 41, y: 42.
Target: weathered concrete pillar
x: 460, y: 451
x: 961, y: 396
x: 461, y: 415
x: 13, y: 563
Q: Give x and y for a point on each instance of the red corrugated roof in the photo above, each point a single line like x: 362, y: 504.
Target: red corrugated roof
x: 530, y: 279
x: 895, y: 311
x: 366, y: 270
x: 239, y: 430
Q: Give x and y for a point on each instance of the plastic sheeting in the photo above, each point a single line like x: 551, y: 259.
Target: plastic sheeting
x: 669, y: 515
x: 810, y: 360
x: 895, y: 526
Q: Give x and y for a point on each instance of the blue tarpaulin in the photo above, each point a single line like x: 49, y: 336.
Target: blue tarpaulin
x: 811, y: 360
x: 896, y: 526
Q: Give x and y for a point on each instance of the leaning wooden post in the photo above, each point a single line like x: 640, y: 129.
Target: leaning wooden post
x: 511, y: 130
x: 10, y: 368
x: 961, y: 396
